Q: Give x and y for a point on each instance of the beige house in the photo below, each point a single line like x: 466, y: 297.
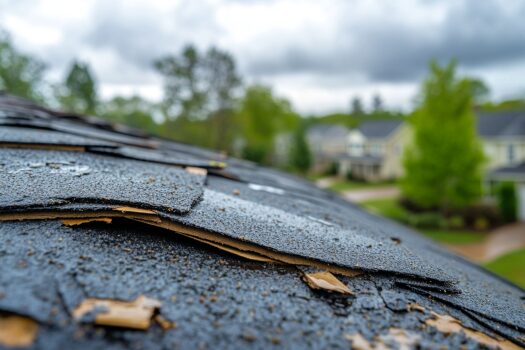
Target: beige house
x: 503, y: 137
x: 374, y: 150
x: 327, y: 143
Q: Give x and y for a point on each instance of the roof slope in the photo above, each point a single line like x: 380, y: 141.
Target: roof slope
x: 328, y: 130
x: 220, y: 243
x: 501, y: 124
x: 379, y: 128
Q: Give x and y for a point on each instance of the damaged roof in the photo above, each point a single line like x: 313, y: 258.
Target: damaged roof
x: 114, y: 239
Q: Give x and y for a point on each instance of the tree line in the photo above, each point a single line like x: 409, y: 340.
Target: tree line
x: 205, y: 103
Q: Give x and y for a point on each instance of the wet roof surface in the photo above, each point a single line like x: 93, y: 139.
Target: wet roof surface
x: 83, y: 177
x: 217, y: 299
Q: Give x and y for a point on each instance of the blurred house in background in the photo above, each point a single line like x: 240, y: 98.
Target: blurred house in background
x: 503, y: 137
x: 374, y: 150
x: 327, y: 143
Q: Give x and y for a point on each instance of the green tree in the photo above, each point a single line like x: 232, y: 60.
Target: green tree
x: 357, y: 107
x: 443, y: 164
x: 199, y: 96
x: 20, y: 74
x: 377, y: 104
x: 480, y: 91
x: 300, y: 156
x: 261, y: 117
x: 78, y: 93
x: 133, y: 111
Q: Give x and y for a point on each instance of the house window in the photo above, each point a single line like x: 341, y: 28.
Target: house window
x: 510, y: 153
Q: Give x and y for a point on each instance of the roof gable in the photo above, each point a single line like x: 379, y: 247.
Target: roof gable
x: 380, y: 128
x: 501, y: 124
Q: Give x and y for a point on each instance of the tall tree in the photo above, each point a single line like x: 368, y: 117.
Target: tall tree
x: 357, y: 106
x: 377, y: 103
x: 78, y: 93
x: 199, y: 96
x: 262, y: 116
x: 443, y: 164
x: 480, y: 91
x: 300, y: 155
x: 20, y: 74
x: 184, y: 97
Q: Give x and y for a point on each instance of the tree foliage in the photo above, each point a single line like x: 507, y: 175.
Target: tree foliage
x: 200, y: 96
x: 261, y: 117
x: 357, y: 107
x: 377, y: 104
x: 300, y: 155
x: 78, y: 93
x: 20, y: 74
x: 133, y: 111
x: 508, y: 201
x: 443, y: 164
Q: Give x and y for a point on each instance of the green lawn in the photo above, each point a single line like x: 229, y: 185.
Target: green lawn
x: 391, y: 209
x: 510, y: 266
x: 346, y: 185
x: 388, y: 207
x: 454, y: 237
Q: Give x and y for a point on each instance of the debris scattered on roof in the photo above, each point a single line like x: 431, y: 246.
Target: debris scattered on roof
x: 17, y: 331
x: 196, y: 171
x: 359, y: 342
x: 448, y: 324
x: 398, y: 338
x: 250, y: 232
x: 327, y: 282
x: 164, y: 323
x: 136, y: 314
x: 416, y: 307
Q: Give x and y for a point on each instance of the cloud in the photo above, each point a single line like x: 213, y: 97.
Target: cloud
x: 387, y: 44
x: 140, y: 32
x: 318, y: 53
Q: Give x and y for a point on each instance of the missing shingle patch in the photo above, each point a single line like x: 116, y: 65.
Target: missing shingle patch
x: 136, y: 314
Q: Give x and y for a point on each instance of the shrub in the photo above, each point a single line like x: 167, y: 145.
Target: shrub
x: 413, y: 207
x: 430, y: 220
x: 488, y: 213
x: 507, y: 201
x: 481, y: 224
x: 332, y: 169
x: 456, y: 222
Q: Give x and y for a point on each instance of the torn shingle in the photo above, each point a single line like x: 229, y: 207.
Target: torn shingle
x: 84, y: 178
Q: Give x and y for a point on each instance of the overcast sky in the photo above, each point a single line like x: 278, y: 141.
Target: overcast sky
x: 316, y: 53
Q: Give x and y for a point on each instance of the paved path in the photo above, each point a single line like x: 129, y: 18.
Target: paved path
x: 325, y: 182
x: 365, y: 194
x: 499, y: 242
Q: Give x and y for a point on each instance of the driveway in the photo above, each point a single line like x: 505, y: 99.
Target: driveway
x: 499, y: 242
x: 366, y: 194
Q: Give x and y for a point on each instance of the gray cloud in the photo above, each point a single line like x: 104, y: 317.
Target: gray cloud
x: 140, y: 34
x: 477, y: 33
